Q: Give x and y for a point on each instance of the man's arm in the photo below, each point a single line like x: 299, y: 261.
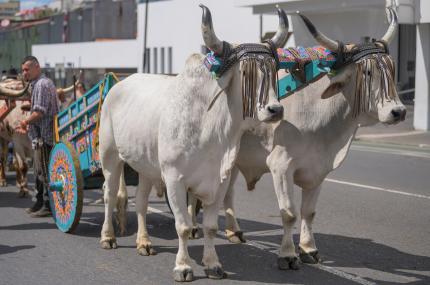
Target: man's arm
x: 36, y: 115
x: 39, y: 108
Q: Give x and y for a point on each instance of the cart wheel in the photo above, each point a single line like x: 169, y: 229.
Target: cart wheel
x: 197, y: 209
x: 65, y: 187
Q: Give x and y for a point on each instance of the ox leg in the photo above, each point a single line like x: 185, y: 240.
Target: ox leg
x: 192, y: 204
x: 307, y: 247
x: 177, y: 195
x: 112, y: 173
x: 121, y: 206
x: 232, y: 228
x: 282, y: 173
x: 3, y: 155
x: 143, y: 243
x: 3, y: 182
x: 160, y: 189
x: 213, y: 267
x: 21, y: 175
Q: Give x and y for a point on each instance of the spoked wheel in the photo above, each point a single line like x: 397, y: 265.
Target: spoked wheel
x: 65, y: 187
x: 198, y: 204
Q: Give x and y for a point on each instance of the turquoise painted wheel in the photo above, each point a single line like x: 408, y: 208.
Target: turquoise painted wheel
x: 65, y: 187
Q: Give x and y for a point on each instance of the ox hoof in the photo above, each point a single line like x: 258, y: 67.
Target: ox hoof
x: 109, y: 244
x: 184, y: 275
x: 22, y: 193
x: 122, y: 231
x: 146, y: 250
x: 215, y: 273
x: 285, y: 263
x: 194, y: 234
x: 312, y: 257
x: 236, y: 237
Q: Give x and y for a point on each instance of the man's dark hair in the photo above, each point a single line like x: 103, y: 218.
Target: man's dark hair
x: 31, y: 58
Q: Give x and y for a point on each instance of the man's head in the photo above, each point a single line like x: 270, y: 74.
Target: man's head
x: 30, y: 68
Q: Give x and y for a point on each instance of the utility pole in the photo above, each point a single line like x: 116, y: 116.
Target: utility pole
x: 145, y: 61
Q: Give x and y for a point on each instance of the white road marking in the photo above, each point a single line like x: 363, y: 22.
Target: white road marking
x: 268, y: 246
x: 273, y: 248
x: 342, y: 274
x: 155, y: 210
x: 374, y: 188
x: 390, y: 150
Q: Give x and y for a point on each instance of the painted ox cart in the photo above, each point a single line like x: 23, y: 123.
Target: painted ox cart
x: 74, y: 163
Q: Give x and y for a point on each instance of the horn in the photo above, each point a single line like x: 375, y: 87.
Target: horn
x: 319, y: 37
x: 67, y: 89
x: 70, y: 88
x: 209, y: 37
x: 389, y: 35
x: 13, y: 93
x: 281, y: 36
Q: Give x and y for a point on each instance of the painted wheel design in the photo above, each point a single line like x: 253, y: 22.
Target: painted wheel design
x: 65, y: 187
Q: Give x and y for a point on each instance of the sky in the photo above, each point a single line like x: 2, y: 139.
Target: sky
x: 28, y: 4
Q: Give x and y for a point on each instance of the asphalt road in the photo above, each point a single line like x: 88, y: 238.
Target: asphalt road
x: 372, y: 227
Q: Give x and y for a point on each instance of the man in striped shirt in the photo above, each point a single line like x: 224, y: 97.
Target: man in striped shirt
x: 39, y: 127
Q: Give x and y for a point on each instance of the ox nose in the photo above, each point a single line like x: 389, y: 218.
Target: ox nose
x: 276, y: 110
x: 399, y: 113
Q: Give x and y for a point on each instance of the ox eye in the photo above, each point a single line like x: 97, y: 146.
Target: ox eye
x: 366, y: 72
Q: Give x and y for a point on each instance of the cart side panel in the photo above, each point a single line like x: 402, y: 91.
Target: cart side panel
x: 77, y: 124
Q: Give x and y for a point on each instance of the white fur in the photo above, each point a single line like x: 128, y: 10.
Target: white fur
x: 160, y: 126
x: 312, y: 140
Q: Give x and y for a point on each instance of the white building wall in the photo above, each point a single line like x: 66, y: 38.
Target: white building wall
x: 173, y: 23
x: 422, y: 85
x: 107, y: 54
x: 424, y: 11
x: 178, y: 24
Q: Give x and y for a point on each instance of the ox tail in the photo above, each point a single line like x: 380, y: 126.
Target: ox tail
x: 121, y: 205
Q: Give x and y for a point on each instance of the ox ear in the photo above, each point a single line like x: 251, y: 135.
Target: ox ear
x: 338, y: 83
x: 332, y: 89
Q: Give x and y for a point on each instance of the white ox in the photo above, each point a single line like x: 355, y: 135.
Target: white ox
x: 164, y: 129
x: 12, y: 88
x: 312, y: 140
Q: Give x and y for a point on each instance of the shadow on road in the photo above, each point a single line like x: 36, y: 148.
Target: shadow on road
x: 352, y: 252
x: 30, y: 226
x: 10, y: 199
x: 342, y: 251
x: 5, y: 249
x: 248, y: 263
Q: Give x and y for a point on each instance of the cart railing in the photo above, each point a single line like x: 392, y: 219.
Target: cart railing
x: 78, y: 124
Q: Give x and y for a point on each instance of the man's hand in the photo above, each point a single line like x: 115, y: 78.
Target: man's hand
x: 21, y: 131
x: 22, y: 128
x: 23, y: 124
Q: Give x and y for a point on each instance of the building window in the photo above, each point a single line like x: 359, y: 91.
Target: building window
x: 169, y: 60
x: 155, y: 56
x: 162, y: 61
x: 147, y: 67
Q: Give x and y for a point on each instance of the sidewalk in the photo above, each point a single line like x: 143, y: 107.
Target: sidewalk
x: 402, y: 134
